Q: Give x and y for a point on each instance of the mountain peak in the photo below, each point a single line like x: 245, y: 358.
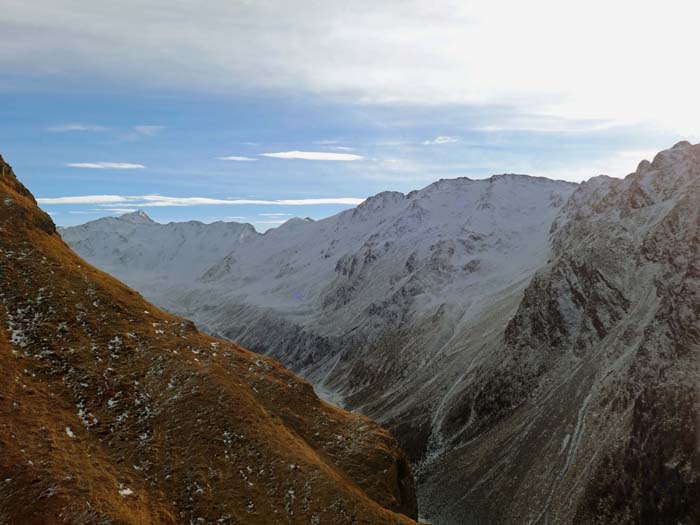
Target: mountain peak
x: 682, y: 144
x: 137, y: 217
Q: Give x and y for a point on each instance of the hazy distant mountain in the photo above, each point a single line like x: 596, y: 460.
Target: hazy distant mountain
x: 113, y: 411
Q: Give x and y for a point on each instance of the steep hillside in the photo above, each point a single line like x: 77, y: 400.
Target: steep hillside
x: 113, y: 411
x: 587, y: 410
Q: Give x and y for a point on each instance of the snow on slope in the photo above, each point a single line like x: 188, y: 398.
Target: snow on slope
x: 586, y: 410
x: 321, y: 295
x: 133, y: 245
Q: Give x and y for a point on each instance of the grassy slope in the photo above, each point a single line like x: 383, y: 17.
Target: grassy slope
x: 101, y: 392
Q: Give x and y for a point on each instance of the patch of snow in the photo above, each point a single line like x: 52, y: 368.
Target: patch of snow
x: 125, y: 491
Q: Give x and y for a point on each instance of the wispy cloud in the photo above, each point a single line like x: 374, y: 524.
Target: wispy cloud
x: 234, y: 218
x: 149, y: 129
x: 549, y: 124
x: 67, y: 128
x: 332, y: 144
x: 313, y: 155
x: 237, y: 158
x: 119, y: 211
x: 85, y: 199
x: 106, y: 165
x: 130, y: 134
x: 441, y: 139
x: 142, y: 131
x: 162, y: 200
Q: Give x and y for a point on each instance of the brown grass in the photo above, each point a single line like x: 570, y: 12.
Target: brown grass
x: 198, y: 429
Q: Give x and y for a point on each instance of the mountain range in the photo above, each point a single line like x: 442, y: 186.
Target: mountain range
x: 532, y: 344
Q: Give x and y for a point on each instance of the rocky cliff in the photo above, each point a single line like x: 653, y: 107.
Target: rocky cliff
x: 587, y: 410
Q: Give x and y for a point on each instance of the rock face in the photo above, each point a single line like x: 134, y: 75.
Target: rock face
x: 113, y: 411
x: 587, y: 410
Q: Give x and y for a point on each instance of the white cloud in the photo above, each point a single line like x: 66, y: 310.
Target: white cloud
x: 66, y: 128
x: 136, y: 133
x: 541, y: 58
x: 140, y: 201
x: 119, y: 211
x: 313, y: 155
x: 160, y: 200
x: 148, y: 130
x: 237, y: 158
x: 441, y: 139
x: 106, y: 165
x: 84, y: 199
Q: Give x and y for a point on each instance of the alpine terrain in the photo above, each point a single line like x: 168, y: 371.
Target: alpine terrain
x: 113, y: 411
x: 533, y: 344
x: 372, y: 305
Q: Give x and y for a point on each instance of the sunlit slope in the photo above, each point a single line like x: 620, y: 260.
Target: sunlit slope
x: 112, y: 410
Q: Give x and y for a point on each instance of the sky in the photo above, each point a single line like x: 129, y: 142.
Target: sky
x: 258, y: 111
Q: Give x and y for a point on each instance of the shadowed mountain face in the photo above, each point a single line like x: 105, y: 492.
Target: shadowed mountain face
x: 533, y: 345
x: 587, y: 410
x: 113, y: 411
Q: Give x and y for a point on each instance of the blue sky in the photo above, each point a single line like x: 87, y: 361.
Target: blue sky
x: 142, y: 104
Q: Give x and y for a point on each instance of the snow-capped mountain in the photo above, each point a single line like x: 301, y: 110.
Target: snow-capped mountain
x: 176, y: 251
x: 332, y: 298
